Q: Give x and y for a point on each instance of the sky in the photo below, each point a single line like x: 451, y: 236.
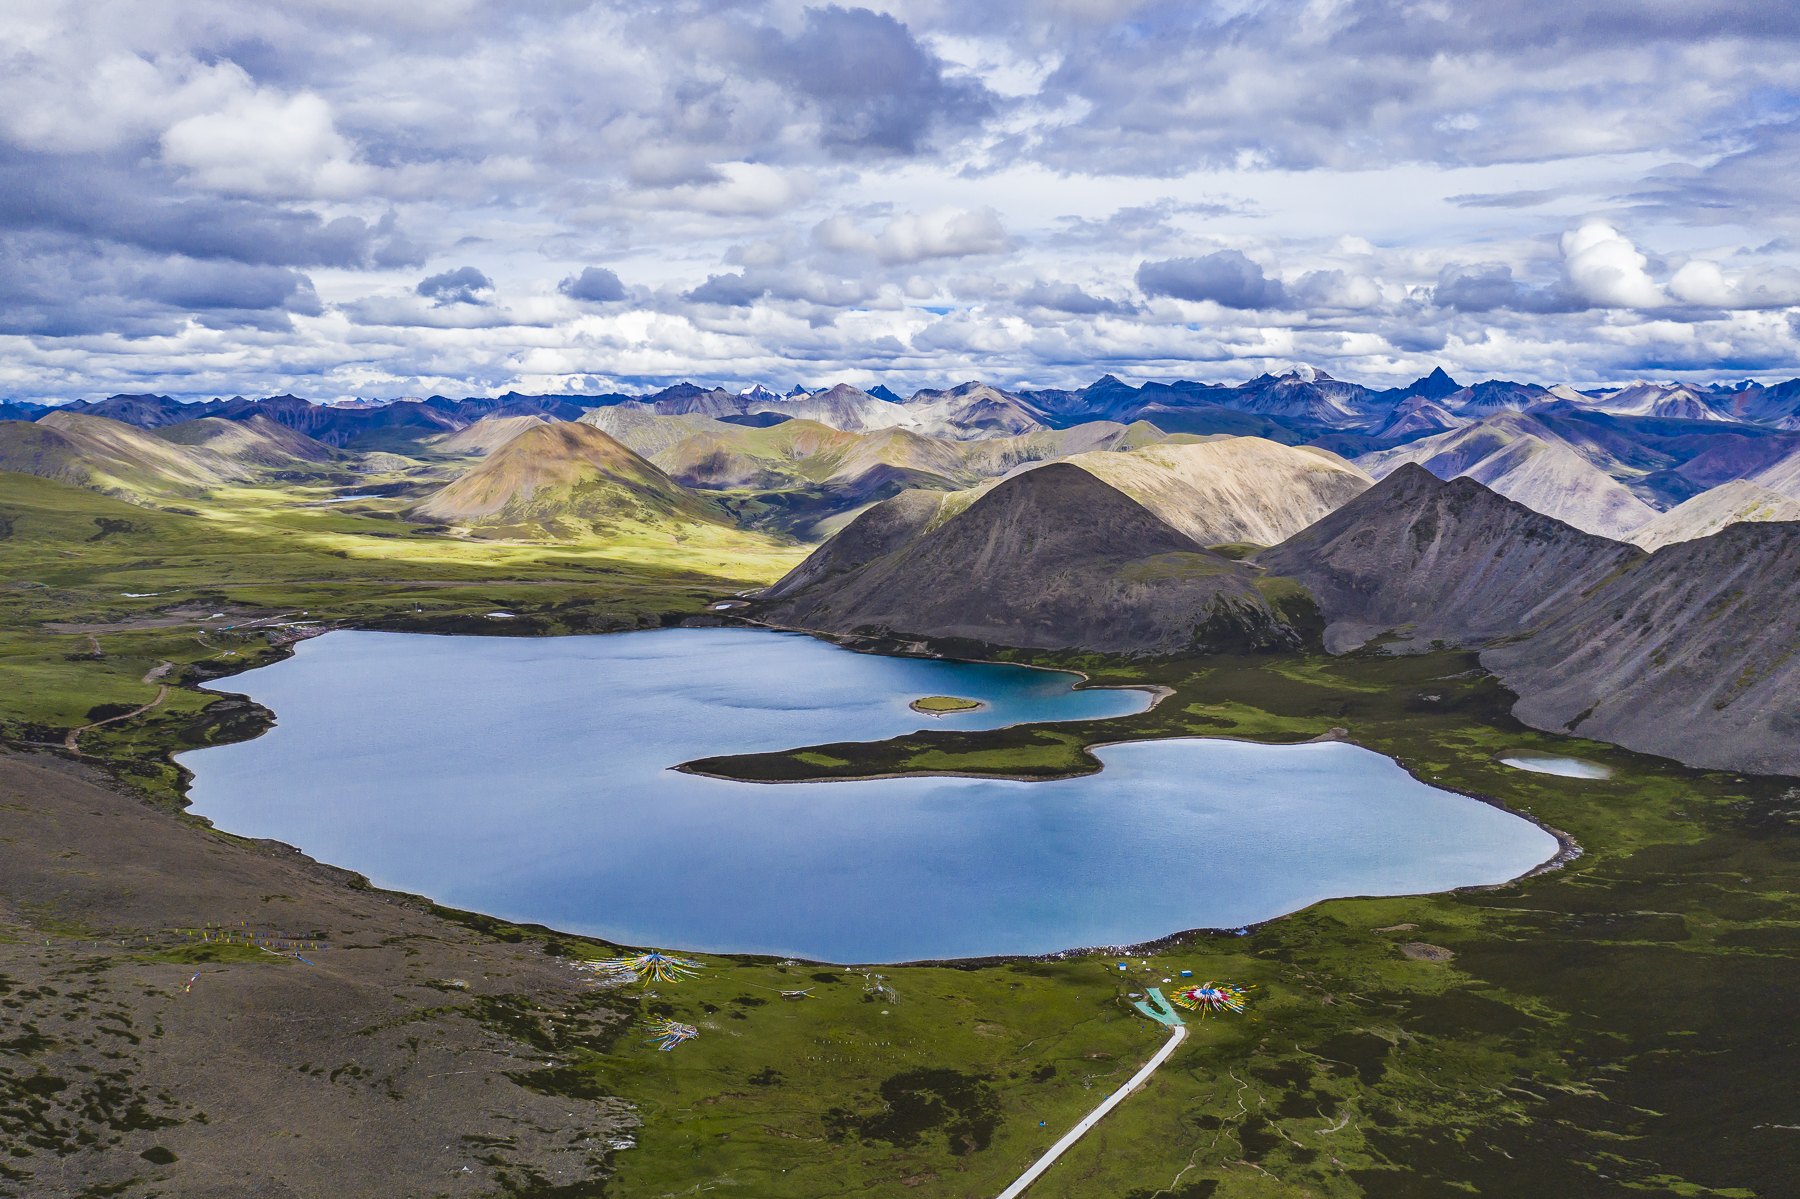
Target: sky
x: 343, y: 198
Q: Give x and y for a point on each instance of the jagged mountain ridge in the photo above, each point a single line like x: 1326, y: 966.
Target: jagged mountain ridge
x: 1303, y: 399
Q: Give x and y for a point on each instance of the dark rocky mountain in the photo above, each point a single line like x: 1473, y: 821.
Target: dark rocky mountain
x: 1688, y: 653
x: 371, y: 428
x: 557, y: 407
x: 684, y: 398
x: 22, y: 410
x: 1435, y: 386
x: 1777, y: 406
x: 1436, y: 560
x: 144, y: 411
x: 1052, y: 558
x: 875, y: 534
x: 880, y: 391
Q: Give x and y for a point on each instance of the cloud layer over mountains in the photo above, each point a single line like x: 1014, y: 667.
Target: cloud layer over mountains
x: 377, y: 198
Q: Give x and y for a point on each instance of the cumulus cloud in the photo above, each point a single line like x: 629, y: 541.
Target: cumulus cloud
x: 1066, y: 297
x: 874, y: 88
x: 595, y: 284
x: 733, y: 291
x: 464, y: 285
x: 1225, y: 277
x: 1603, y: 266
x: 731, y: 189
x: 1704, y: 282
x: 61, y: 288
x: 1486, y: 286
x: 265, y: 144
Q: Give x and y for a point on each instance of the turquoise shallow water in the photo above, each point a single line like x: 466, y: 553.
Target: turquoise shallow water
x: 527, y: 778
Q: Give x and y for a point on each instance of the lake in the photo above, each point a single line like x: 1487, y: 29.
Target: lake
x: 528, y: 778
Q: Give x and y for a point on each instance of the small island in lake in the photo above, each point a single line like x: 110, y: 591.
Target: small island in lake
x: 938, y: 705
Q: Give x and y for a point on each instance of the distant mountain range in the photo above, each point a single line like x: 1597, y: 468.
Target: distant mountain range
x: 1303, y: 403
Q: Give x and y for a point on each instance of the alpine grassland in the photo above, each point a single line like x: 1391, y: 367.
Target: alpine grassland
x: 1620, y: 1023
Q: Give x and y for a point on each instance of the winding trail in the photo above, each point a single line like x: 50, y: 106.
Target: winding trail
x: 1177, y: 1034
x: 162, y: 693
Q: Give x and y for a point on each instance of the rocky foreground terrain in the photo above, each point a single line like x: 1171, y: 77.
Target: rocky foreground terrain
x: 143, y: 1057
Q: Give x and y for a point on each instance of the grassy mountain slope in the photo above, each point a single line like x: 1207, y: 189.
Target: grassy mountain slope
x: 111, y: 457
x: 257, y: 441
x: 562, y: 480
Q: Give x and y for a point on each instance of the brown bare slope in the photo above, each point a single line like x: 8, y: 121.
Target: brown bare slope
x: 1525, y: 460
x: 1690, y: 653
x: 1705, y: 514
x: 1448, y: 561
x: 1053, y: 558
x: 553, y: 475
x: 1235, y: 489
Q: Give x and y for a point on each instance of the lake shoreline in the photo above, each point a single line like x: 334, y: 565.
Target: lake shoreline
x: 1567, y: 849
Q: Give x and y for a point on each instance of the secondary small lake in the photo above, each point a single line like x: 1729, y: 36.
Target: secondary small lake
x: 528, y: 778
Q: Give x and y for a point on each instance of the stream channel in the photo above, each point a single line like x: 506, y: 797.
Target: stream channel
x: 528, y: 778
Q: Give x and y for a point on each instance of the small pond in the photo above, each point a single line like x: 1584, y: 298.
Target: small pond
x: 1569, y: 768
x: 528, y: 778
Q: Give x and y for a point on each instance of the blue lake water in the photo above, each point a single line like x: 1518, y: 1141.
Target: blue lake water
x: 528, y: 778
